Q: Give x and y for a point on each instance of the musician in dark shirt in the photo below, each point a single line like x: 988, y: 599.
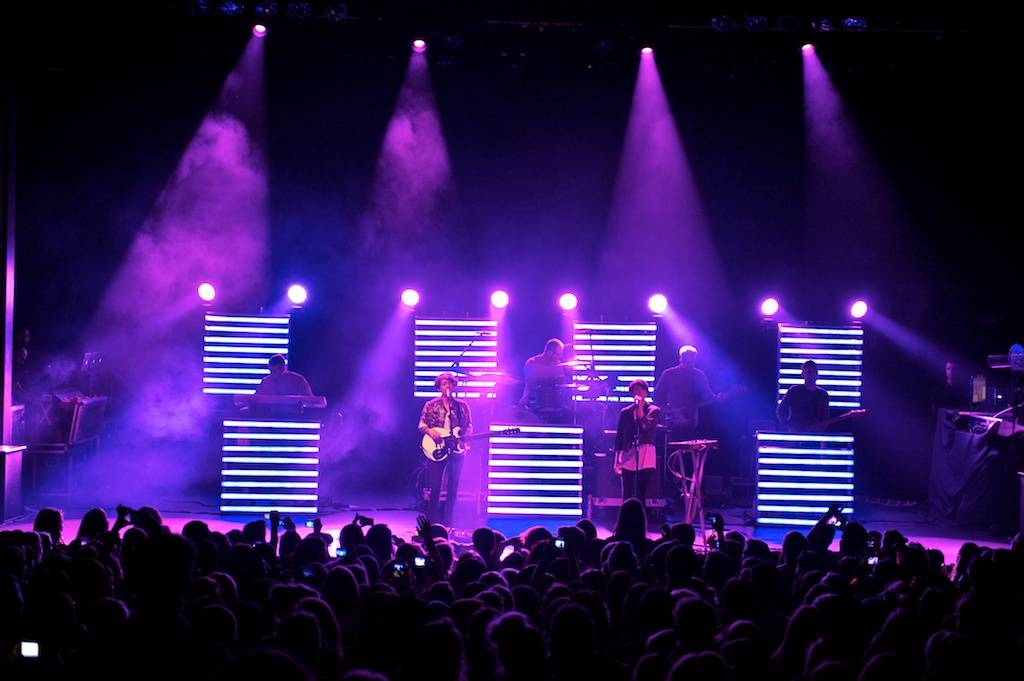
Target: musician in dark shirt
x: 805, y: 406
x: 281, y: 381
x: 635, y: 456
x: 681, y: 391
x: 949, y: 396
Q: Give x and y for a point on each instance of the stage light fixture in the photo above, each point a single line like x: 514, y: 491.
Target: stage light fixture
x: 419, y: 45
x: 723, y: 23
x: 647, y: 51
x: 297, y: 294
x: 499, y: 299
x: 206, y: 292
x: 267, y: 8
x: 259, y: 30
x: 410, y: 297
x: 198, y: 6
x: 568, y: 301
x: 769, y: 307
x: 336, y: 11
x: 299, y: 10
x: 822, y: 25
x: 658, y: 303
x: 858, y: 309
x: 807, y: 49
x: 854, y: 23
x: 755, y: 22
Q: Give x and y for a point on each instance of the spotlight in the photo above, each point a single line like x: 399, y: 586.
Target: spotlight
x: 568, y: 301
x: 410, y: 297
x: 807, y: 48
x: 336, y: 11
x: 299, y: 10
x: 855, y: 23
x: 297, y: 294
x: 755, y: 22
x: 858, y: 309
x: 769, y: 307
x: 822, y: 25
x: 657, y: 303
x: 259, y: 30
x: 499, y: 299
x: 229, y: 8
x: 419, y: 45
x: 265, y: 9
x: 723, y: 23
x: 206, y: 292
x: 647, y: 51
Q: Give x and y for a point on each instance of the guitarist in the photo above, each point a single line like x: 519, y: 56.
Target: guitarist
x: 445, y: 412
x: 805, y: 406
x: 680, y: 392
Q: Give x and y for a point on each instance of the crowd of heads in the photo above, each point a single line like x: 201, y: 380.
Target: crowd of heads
x: 130, y: 598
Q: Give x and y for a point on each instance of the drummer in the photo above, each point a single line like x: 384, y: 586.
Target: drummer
x: 545, y: 372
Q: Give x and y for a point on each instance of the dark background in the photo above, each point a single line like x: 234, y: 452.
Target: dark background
x: 109, y: 97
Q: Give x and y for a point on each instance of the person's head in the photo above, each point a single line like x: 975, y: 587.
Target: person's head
x: 446, y: 382
x: 20, y: 355
x: 554, y: 348
x: 687, y: 356
x: 949, y: 371
x: 51, y: 521
x: 632, y: 522
x: 94, y: 523
x: 810, y: 372
x: 278, y: 364
x: 638, y: 388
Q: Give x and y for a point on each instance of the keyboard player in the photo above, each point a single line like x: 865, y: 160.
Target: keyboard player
x: 281, y: 381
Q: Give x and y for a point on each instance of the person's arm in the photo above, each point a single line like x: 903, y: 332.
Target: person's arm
x: 650, y: 419
x: 663, y: 383
x: 275, y: 518
x: 782, y: 412
x: 704, y: 388
x: 304, y: 386
x: 823, y: 407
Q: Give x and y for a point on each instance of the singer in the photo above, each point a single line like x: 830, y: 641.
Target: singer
x: 635, y: 457
x: 440, y: 417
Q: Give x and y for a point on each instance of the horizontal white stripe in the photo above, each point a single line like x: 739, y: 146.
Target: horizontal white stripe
x: 843, y: 403
x: 819, y: 510
x: 458, y: 393
x: 267, y: 509
x: 229, y: 391
x: 533, y: 511
x: 236, y: 370
x: 496, y: 499
x: 455, y: 353
x: 806, y: 462
x: 572, y: 430
x: 786, y: 521
x: 814, y: 352
x: 537, y: 452
x: 805, y: 485
x: 822, y: 331
x: 264, y: 483
x: 448, y: 365
x: 617, y: 348
x: 238, y: 360
x: 268, y: 497
x: 516, y: 440
x: 822, y: 341
x: 250, y: 351
x: 269, y: 448
x: 531, y: 487
x: 821, y: 372
x: 231, y: 381
x: 799, y: 437
x: 247, y: 329
x: 245, y: 340
x: 456, y: 344
x: 311, y: 425
x: 270, y: 459
x: 805, y: 474
x: 822, y: 360
x: 614, y: 337
x: 804, y: 497
x: 450, y: 333
x: 534, y: 464
x: 271, y: 473
x: 520, y: 475
x: 247, y: 320
x: 824, y: 381
x: 621, y: 367
x: 614, y: 327
x: 805, y: 450
x: 456, y: 322
x: 271, y: 436
x: 467, y: 384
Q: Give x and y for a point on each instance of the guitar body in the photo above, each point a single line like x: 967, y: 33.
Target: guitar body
x: 824, y: 425
x: 449, y: 444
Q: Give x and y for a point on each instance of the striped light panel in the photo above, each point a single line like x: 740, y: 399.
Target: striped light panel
x: 837, y: 350
x: 440, y: 342
x: 799, y: 475
x: 236, y: 349
x: 537, y: 473
x: 270, y: 465
x: 625, y: 352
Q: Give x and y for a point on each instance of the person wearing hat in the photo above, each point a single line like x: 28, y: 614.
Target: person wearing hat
x: 442, y: 415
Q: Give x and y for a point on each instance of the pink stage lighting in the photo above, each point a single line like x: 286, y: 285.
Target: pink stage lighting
x: 647, y: 51
x: 419, y: 45
x: 297, y: 294
x: 259, y: 30
x: 858, y: 309
x: 769, y: 307
x: 807, y: 48
x: 206, y: 292
x: 499, y: 299
x: 658, y: 303
x: 410, y: 297
x: 568, y: 301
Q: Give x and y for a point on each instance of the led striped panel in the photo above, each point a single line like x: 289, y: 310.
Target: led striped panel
x: 837, y: 350
x: 625, y: 352
x: 537, y: 473
x: 270, y: 465
x: 440, y: 342
x: 799, y: 475
x: 236, y: 349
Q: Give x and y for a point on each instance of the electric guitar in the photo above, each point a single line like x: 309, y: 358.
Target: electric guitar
x: 820, y: 426
x: 453, y: 443
x: 681, y: 416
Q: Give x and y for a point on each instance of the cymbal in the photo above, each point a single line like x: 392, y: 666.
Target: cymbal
x: 499, y: 377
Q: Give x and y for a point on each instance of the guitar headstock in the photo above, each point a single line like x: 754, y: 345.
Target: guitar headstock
x: 511, y: 431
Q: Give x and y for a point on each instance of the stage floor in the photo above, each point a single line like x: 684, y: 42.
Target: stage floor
x: 912, y: 522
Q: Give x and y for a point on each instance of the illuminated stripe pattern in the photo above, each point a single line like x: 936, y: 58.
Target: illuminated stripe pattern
x: 837, y: 350
x: 270, y: 464
x: 815, y: 472
x: 236, y: 349
x: 625, y: 352
x: 537, y: 473
x: 437, y: 343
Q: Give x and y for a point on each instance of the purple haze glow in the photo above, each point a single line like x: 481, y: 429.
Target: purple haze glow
x: 657, y: 220
x: 413, y: 177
